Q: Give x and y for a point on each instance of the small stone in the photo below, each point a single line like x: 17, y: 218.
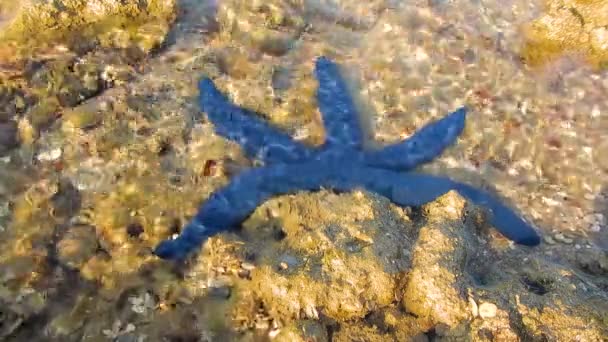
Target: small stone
x: 473, y: 306
x: 248, y: 266
x: 83, y: 117
x: 289, y: 261
x: 262, y: 325
x: 562, y: 238
x: 599, y: 38
x: 487, y: 310
x: 549, y: 240
x: 220, y: 287
x: 50, y: 155
x: 595, y: 111
x: 273, y: 333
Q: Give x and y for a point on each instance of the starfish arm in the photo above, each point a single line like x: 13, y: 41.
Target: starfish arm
x: 191, y: 237
x: 340, y: 116
x: 258, y: 139
x: 229, y: 206
x: 417, y: 189
x: 226, y: 208
x: 422, y: 147
x: 502, y: 217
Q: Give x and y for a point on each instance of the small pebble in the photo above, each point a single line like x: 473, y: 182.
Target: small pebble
x: 273, y: 333
x: 487, y: 310
x: 50, y: 155
x: 562, y: 238
x: 248, y: 266
x: 474, y: 307
x: 548, y: 239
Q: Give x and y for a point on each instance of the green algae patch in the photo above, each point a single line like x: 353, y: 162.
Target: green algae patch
x: 568, y: 27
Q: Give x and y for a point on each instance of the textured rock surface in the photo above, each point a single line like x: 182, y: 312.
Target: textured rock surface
x: 436, y: 285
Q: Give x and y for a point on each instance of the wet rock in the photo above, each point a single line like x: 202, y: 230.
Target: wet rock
x: 77, y: 246
x: 9, y: 136
x: 436, y: 280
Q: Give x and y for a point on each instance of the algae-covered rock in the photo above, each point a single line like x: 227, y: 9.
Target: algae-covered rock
x: 77, y: 246
x: 82, y: 24
x: 569, y: 26
x: 82, y: 117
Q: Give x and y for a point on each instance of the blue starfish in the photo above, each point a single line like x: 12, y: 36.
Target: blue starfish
x: 340, y: 163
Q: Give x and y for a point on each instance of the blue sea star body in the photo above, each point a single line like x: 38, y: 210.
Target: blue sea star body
x: 341, y: 164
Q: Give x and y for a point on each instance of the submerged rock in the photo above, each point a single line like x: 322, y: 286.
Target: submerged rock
x: 270, y: 26
x: 569, y: 26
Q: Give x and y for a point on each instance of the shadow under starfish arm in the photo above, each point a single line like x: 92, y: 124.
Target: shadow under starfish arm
x: 422, y: 147
x: 258, y: 138
x: 229, y: 206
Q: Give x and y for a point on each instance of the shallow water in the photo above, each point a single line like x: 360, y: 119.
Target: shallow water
x: 133, y: 173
